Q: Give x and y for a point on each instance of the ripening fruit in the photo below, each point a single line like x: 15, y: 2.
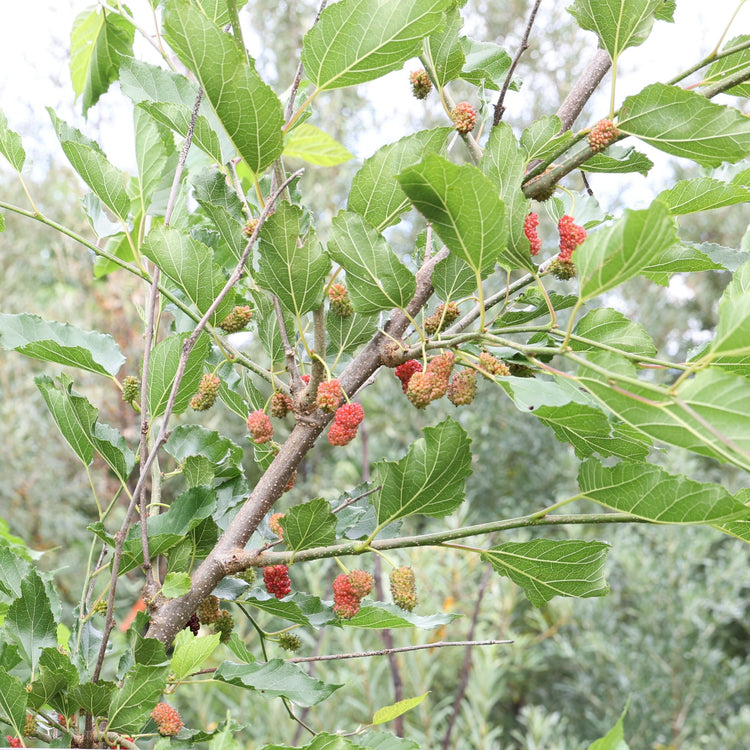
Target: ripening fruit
x: 421, y: 85
x: 276, y: 578
x: 343, y: 429
x: 131, y: 389
x: 571, y: 236
x: 280, y: 405
x: 443, y: 316
x: 249, y: 227
x: 464, y: 117
x: 274, y: 522
x: 493, y: 365
x: 404, y: 372
x: 237, y: 320
x: 404, y: 588
x: 345, y: 601
x: 462, y: 387
x: 329, y: 395
x: 361, y: 583
x: 167, y: 718
x: 602, y: 134
x: 259, y: 424
x: 207, y: 393
x: 208, y: 610
x: 290, y: 642
x: 338, y: 297
x: 531, y: 222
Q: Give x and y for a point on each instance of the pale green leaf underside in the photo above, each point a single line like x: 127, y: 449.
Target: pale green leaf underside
x: 360, y: 40
x: 545, y: 568
x: 154, y: 145
x: 684, y: 123
x: 376, y: 278
x: 10, y: 145
x: 62, y: 343
x: 443, y: 49
x: 604, y: 325
x: 429, y: 479
x: 648, y: 492
x: 731, y: 64
x: 249, y: 110
x: 618, y: 160
x: 312, y: 145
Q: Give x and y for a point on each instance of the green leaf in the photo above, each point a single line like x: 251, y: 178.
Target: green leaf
x: 463, y: 206
x: 29, y: 622
x: 613, y: 740
x: 616, y: 253
x: 131, y: 705
x: 684, y: 123
x: 376, y: 279
x: 92, y: 698
x: 618, y: 160
x: 61, y: 343
x: 175, y: 584
x: 689, y: 257
x: 310, y: 524
x: 504, y: 163
x: 13, y: 570
x: 429, y: 479
x: 217, y: 11
x: 375, y: 193
x: 10, y: 145
x: 78, y: 422
x: 191, y: 652
x: 648, y: 492
x: 619, y: 24
x: 291, y: 267
x: 13, y: 702
x: 299, y: 608
x: 389, y: 713
x: 730, y: 65
x: 611, y: 328
x: 379, y: 615
x: 360, y: 40
x: 154, y: 146
x: 545, y: 568
x: 56, y: 675
x: 543, y: 137
x: 163, y: 368
x: 249, y: 110
x: 444, y: 51
x: 346, y: 335
x: 99, y: 41
x: 275, y: 679
x: 190, y: 264
x: 486, y: 65
x: 108, y: 182
x: 383, y: 741
x: 453, y: 278
x: 312, y: 145
x: 177, y: 118
x: 702, y: 194
x: 224, y: 455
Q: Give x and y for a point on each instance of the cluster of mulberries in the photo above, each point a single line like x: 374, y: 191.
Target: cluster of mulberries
x: 404, y: 588
x: 464, y: 117
x: 237, y: 320
x: 571, y: 236
x: 443, y: 316
x: 13, y: 741
x: 280, y: 405
x: 259, y: 424
x: 131, y: 389
x: 404, y: 372
x: 602, y: 134
x: 276, y: 578
x: 492, y: 365
x: 421, y: 85
x: 329, y: 395
x: 530, y: 223
x: 208, y: 610
x: 338, y: 297
x: 348, y: 591
x: 343, y: 429
x: 167, y: 718
x: 207, y: 393
x: 462, y: 387
x: 432, y: 383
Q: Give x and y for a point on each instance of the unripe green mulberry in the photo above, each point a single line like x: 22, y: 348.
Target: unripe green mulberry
x: 237, y: 320
x: 443, y: 316
x: 208, y: 610
x: 421, y: 85
x: 207, y: 393
x: 131, y: 389
x: 290, y: 642
x: 462, y: 387
x: 223, y: 625
x: 338, y: 297
x: 404, y: 588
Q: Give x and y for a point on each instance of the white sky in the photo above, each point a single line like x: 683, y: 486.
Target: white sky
x: 34, y: 36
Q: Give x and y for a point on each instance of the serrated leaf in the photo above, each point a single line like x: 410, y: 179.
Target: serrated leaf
x: 131, y: 705
x: 85, y: 156
x: 99, y: 41
x: 56, y: 675
x: 217, y: 12
x: 619, y: 24
x: 429, y: 479
x: 702, y: 194
x: 13, y: 702
x: 175, y: 584
x: 191, y: 652
x: 360, y: 40
x: 346, y: 335
x: 376, y: 278
x: 684, y: 123
x: 78, y: 422
x: 618, y: 160
x: 613, y: 740
x: 224, y: 454
x: 453, y: 278
x: 292, y: 267
x: 177, y: 118
x: 444, y: 51
x: 486, y: 64
x: 299, y: 608
x: 379, y: 615
x: 312, y: 145
x: 689, y: 257
x: 274, y: 679
x: 543, y: 137
x: 545, y: 568
x: 730, y: 65
x: 649, y: 492
x: 164, y: 361
x: 463, y: 206
x: 375, y: 193
x: 13, y: 570
x: 389, y: 713
x: 616, y: 253
x: 29, y: 622
x: 62, y: 343
x: 247, y: 107
x: 190, y: 264
x: 10, y: 145
x: 504, y: 163
x: 611, y: 328
x: 92, y: 698
x: 310, y: 524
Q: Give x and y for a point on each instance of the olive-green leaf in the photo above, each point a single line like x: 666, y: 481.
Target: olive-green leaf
x: 684, y: 123
x: 388, y: 713
x: 247, y: 107
x: 99, y: 41
x: 429, y: 479
x: 545, y: 568
x: 648, y: 492
x: 376, y: 278
x: 360, y: 40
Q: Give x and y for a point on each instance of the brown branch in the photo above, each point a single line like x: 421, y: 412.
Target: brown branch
x: 499, y: 105
x: 584, y: 87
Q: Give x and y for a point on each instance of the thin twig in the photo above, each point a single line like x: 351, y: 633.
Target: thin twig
x: 499, y: 105
x: 353, y: 500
